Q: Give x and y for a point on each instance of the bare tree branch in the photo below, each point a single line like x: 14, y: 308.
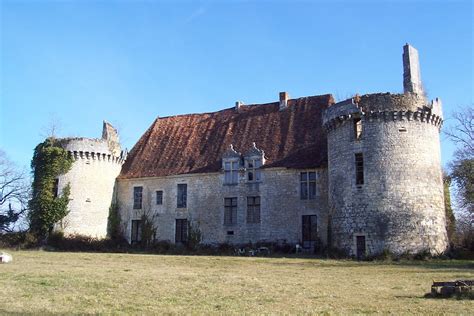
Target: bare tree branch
x: 14, y: 194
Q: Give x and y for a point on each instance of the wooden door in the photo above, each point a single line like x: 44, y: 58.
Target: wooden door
x: 310, y: 231
x: 181, y: 231
x: 360, y: 247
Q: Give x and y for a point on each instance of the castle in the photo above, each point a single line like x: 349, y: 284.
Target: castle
x: 362, y: 175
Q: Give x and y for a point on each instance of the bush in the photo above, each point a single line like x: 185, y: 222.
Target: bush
x: 58, y: 241
x: 18, y: 240
x: 161, y: 247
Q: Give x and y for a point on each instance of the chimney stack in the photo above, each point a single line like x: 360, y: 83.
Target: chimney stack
x: 411, y: 71
x: 238, y: 104
x: 283, y: 100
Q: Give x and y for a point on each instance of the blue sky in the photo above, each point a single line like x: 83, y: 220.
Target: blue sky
x: 80, y: 62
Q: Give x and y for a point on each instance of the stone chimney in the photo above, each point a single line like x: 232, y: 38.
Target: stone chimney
x: 411, y: 71
x: 110, y: 134
x: 238, y: 104
x: 284, y: 100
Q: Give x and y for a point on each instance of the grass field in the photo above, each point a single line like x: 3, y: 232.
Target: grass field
x: 55, y: 282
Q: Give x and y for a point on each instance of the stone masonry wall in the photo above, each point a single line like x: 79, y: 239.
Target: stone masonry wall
x: 400, y: 206
x: 281, y: 206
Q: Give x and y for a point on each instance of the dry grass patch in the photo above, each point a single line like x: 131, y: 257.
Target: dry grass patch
x: 53, y: 282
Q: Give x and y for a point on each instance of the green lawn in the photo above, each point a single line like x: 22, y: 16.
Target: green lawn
x: 54, y: 282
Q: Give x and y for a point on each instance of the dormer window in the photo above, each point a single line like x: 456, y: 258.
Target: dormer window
x: 254, y: 159
x: 231, y: 172
x: 231, y: 164
x: 252, y: 166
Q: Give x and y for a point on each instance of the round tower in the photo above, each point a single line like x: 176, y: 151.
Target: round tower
x: 385, y: 179
x: 97, y: 162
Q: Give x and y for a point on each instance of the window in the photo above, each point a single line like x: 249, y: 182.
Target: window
x: 357, y: 129
x: 56, y: 188
x: 159, y: 197
x: 182, y: 195
x: 136, y: 236
x: 253, y: 173
x: 308, y: 185
x: 137, y: 197
x: 359, y: 167
x: 231, y: 172
x: 181, y: 236
x: 253, y: 209
x: 230, y: 211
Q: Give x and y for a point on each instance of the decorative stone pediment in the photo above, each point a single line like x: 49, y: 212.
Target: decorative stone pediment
x: 254, y: 152
x: 231, y: 153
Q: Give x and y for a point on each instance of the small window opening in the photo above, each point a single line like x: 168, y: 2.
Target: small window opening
x: 357, y: 129
x: 359, y: 167
x: 56, y: 188
x: 159, y: 197
x: 230, y: 232
x: 402, y: 130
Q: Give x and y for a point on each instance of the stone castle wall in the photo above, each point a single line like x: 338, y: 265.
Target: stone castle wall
x: 91, y: 179
x: 400, y: 206
x: 281, y: 207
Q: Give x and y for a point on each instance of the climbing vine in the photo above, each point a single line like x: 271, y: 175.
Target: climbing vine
x: 49, y: 161
x: 114, y: 231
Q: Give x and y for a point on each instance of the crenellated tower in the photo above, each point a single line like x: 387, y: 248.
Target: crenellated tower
x: 97, y: 162
x: 384, y: 169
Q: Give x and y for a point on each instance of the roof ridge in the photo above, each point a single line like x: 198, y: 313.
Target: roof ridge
x: 329, y: 95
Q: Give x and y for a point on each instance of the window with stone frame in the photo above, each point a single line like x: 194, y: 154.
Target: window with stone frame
x: 159, y: 197
x: 252, y: 166
x: 308, y: 185
x: 357, y: 129
x: 254, y: 159
x: 137, y: 197
x: 231, y: 171
x: 230, y: 211
x: 231, y: 162
x: 253, y: 209
x: 182, y: 195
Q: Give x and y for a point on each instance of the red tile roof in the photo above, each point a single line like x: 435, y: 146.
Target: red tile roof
x: 195, y: 143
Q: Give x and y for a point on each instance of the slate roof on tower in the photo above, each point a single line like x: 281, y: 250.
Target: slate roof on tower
x: 194, y: 143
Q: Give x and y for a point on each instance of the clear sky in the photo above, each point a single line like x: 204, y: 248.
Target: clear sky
x: 80, y: 62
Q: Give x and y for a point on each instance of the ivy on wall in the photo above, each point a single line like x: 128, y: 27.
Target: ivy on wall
x: 49, y: 161
x: 114, y: 231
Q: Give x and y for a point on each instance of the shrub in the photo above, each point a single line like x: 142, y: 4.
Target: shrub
x: 18, y: 240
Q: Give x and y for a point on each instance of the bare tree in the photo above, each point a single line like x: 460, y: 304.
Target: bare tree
x: 14, y: 194
x: 461, y: 173
x: 52, y: 128
x: 461, y: 132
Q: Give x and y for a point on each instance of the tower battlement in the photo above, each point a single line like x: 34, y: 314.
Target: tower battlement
x: 384, y: 106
